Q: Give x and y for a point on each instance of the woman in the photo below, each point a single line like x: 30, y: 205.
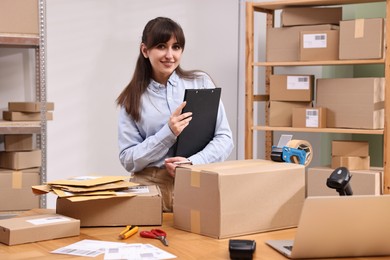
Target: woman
x: 150, y: 118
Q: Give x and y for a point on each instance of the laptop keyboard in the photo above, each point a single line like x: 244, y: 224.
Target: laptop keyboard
x: 288, y: 247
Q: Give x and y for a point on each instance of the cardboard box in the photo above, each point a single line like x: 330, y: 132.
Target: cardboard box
x: 21, y: 230
x: 19, y: 142
x: 25, y: 116
x: 351, y: 162
x: 319, y: 45
x: 362, y: 39
x: 294, y: 16
x: 363, y: 182
x: 280, y: 112
x: 15, y: 189
x: 352, y: 102
x: 234, y: 198
x: 309, y: 117
x: 143, y: 209
x: 20, y: 160
x: 291, y: 87
x: 19, y: 16
x: 350, y: 148
x: 29, y: 106
x: 282, y: 44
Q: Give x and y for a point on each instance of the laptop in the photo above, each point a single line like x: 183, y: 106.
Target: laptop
x: 342, y: 226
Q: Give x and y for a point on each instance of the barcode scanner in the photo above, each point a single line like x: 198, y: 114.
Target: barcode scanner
x: 339, y: 180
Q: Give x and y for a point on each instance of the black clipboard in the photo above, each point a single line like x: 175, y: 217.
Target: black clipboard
x: 203, y: 103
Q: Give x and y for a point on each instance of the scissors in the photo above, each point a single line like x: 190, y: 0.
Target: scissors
x: 157, y: 234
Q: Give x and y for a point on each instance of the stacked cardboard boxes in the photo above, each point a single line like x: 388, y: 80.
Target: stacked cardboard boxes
x: 354, y: 155
x: 288, y: 92
x: 320, y: 34
x: 20, y: 160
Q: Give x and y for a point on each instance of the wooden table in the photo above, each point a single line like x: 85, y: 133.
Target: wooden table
x: 184, y: 245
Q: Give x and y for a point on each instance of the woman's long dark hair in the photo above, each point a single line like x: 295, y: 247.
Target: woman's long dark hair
x: 156, y: 31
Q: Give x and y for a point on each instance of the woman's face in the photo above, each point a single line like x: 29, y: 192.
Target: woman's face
x: 164, y: 58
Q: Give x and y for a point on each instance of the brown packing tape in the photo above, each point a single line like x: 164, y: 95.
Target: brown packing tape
x: 195, y: 221
x: 17, y: 180
x: 195, y: 179
x: 359, y: 28
x: 302, y: 145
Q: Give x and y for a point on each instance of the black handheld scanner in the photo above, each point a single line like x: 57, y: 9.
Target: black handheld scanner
x: 339, y: 180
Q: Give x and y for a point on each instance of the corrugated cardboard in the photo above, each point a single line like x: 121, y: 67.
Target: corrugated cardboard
x: 29, y: 106
x: 319, y: 45
x: 311, y: 16
x: 21, y: 160
x: 309, y: 117
x: 88, y: 181
x: 19, y: 142
x: 280, y: 112
x: 351, y: 162
x: 19, y: 16
x: 282, y: 44
x: 362, y: 39
x: 363, y: 182
x: 234, y: 198
x: 352, y: 102
x: 350, y: 148
x: 143, y: 209
x: 25, y: 116
x: 35, y: 228
x: 15, y: 189
x: 291, y: 87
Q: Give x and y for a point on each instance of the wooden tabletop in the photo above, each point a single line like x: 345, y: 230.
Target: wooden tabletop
x: 184, y: 245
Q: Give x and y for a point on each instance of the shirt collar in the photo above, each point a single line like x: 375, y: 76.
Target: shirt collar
x: 172, y: 80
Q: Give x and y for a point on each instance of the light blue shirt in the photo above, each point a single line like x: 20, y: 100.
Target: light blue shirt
x: 148, y: 142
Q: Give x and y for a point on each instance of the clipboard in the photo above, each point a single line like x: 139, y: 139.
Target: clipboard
x: 203, y: 103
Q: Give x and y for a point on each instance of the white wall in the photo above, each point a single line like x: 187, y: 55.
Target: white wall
x: 92, y: 46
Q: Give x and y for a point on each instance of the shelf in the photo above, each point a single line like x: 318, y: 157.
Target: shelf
x: 19, y: 40
x: 319, y: 63
x: 320, y: 130
x: 25, y: 127
x: 288, y: 3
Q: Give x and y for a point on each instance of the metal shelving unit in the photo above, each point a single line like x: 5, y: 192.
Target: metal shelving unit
x: 38, y: 43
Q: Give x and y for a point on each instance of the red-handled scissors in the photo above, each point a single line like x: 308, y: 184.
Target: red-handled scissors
x: 157, y: 234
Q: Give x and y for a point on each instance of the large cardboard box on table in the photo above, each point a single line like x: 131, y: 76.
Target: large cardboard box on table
x: 143, y: 209
x: 294, y: 16
x: 234, y: 198
x: 363, y: 182
x: 21, y: 230
x: 291, y: 87
x: 15, y: 189
x: 282, y: 44
x: 19, y: 16
x: 362, y: 39
x: 352, y: 102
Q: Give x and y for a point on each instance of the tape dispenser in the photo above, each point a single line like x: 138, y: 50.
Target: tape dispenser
x: 292, y: 151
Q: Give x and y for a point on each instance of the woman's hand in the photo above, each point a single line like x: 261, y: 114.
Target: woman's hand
x: 172, y: 162
x: 178, y: 121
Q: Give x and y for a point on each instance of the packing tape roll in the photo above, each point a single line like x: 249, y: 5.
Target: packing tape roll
x: 301, y: 145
